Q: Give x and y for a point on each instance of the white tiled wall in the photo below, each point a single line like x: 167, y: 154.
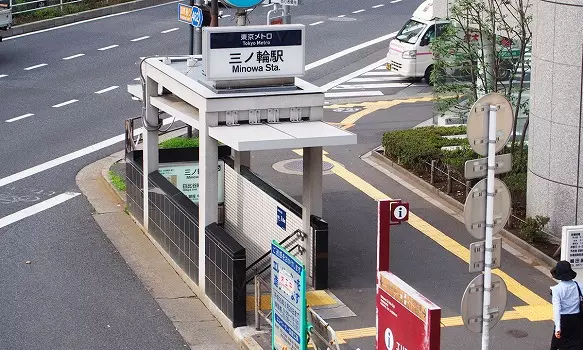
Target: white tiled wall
x: 251, y: 216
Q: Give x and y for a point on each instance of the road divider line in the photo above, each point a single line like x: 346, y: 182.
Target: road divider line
x: 137, y: 79
x: 20, y: 117
x: 316, y: 23
x: 377, y: 6
x: 349, y: 51
x: 395, y: 1
x: 341, y: 16
x: 140, y: 38
x: 359, y: 11
x: 225, y: 16
x: 352, y: 94
x: 74, y: 56
x: 106, y: 89
x: 65, y: 103
x: 36, y: 66
x: 448, y: 243
x: 36, y: 208
x: 107, y: 47
x: 3, y: 75
x: 69, y: 157
x: 169, y: 30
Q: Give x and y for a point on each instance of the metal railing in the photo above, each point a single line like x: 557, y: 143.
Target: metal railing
x: 435, y: 170
x: 35, y: 5
x: 258, y: 283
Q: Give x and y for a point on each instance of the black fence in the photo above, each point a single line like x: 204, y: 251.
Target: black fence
x: 173, y: 222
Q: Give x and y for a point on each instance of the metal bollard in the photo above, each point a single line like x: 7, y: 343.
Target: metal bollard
x: 448, y: 180
x: 468, y: 187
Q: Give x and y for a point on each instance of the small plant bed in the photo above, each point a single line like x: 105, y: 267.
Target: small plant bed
x: 118, y: 182
x: 179, y: 142
x: 437, y: 156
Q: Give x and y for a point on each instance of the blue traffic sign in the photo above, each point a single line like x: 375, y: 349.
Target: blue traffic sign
x: 281, y: 218
x: 243, y: 3
x: 197, y: 17
x: 288, y: 299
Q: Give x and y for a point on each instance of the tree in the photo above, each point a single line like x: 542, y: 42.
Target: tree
x: 483, y: 49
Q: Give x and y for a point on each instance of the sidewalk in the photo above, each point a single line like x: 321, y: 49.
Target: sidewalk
x: 194, y: 322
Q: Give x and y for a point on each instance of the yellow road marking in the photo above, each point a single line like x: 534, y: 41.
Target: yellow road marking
x: 313, y: 298
x: 543, y: 310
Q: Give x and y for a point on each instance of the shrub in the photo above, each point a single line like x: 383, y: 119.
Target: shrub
x: 531, y: 229
x: 456, y: 159
x: 179, y: 142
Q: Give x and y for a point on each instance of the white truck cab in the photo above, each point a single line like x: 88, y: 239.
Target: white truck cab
x: 5, y: 16
x: 409, y: 53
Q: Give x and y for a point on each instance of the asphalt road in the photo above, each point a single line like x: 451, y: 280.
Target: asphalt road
x: 63, y: 91
x: 416, y: 258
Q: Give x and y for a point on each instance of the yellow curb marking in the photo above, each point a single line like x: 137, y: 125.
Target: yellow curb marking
x: 313, y: 298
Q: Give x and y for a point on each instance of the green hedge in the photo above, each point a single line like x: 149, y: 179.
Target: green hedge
x: 180, y: 142
x: 413, y: 147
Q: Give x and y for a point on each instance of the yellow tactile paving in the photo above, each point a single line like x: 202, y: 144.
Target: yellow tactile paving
x: 314, y: 298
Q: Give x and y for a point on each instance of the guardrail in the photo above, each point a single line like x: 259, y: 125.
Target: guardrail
x: 35, y: 5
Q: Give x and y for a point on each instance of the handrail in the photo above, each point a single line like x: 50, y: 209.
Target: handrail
x: 269, y: 252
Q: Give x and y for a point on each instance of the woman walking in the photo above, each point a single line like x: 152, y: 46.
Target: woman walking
x: 568, y: 332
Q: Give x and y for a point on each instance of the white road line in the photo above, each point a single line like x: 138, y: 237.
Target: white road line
x: 107, y: 47
x: 381, y: 74
x: 358, y: 11
x: 316, y: 23
x: 37, y: 66
x: 225, y: 16
x: 21, y: 117
x: 87, y: 21
x: 65, y: 103
x: 169, y: 30
x: 3, y: 75
x: 74, y: 56
x: 37, y: 208
x: 69, y: 157
x: 341, y: 16
x: 106, y: 89
x: 140, y: 38
x: 377, y: 6
x: 352, y: 75
x: 395, y: 1
x: 137, y: 79
x: 353, y: 94
x: 372, y: 80
x: 370, y: 86
x: 267, y: 5
x: 351, y: 50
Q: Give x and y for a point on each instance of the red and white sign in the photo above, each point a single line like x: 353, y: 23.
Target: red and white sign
x: 390, y: 212
x: 406, y: 320
x: 399, y: 212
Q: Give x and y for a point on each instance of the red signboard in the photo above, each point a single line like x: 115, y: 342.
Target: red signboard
x: 390, y: 212
x: 406, y: 320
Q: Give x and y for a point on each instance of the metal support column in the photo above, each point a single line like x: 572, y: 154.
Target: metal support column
x: 311, y: 198
x: 150, y: 154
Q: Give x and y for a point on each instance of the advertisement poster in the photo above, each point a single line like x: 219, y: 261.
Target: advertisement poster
x: 184, y: 176
x: 406, y: 320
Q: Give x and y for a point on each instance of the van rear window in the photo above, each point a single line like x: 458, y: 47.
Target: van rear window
x: 4, y: 3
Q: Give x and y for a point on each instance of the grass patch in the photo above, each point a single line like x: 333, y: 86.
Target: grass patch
x: 117, y: 181
x: 179, y: 142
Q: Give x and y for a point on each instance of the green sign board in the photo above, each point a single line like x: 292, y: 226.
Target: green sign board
x: 288, y: 300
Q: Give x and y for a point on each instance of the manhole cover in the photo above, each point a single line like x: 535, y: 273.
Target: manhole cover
x: 298, y: 165
x: 517, y: 333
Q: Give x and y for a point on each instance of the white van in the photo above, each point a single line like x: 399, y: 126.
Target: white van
x: 409, y: 53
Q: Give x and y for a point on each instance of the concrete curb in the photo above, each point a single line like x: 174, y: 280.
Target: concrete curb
x: 391, y: 166
x: 243, y: 336
x: 82, y: 16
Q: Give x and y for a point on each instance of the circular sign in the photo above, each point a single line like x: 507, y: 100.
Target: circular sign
x: 400, y: 212
x: 475, y: 208
x: 389, y: 339
x: 472, y: 302
x: 477, y: 128
x: 242, y: 3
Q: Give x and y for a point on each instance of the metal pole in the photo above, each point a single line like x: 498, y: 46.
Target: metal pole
x: 241, y: 17
x: 286, y: 14
x: 191, y: 35
x: 214, y: 13
x: 492, y: 111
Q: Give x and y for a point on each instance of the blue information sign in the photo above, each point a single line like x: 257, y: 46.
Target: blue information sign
x: 243, y: 3
x: 288, y: 300
x: 281, y: 218
x: 197, y: 17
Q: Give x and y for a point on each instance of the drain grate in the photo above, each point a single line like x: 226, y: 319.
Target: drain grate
x: 517, y: 333
x: 298, y: 165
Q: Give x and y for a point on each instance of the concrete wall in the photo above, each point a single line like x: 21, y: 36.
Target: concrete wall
x: 251, y: 216
x: 555, y: 119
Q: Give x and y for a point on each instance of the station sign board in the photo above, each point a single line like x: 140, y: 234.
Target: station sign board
x: 254, y: 52
x: 288, y: 298
x: 405, y: 318
x: 185, y: 177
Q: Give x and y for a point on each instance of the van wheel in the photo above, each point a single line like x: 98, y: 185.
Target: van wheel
x: 427, y: 75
